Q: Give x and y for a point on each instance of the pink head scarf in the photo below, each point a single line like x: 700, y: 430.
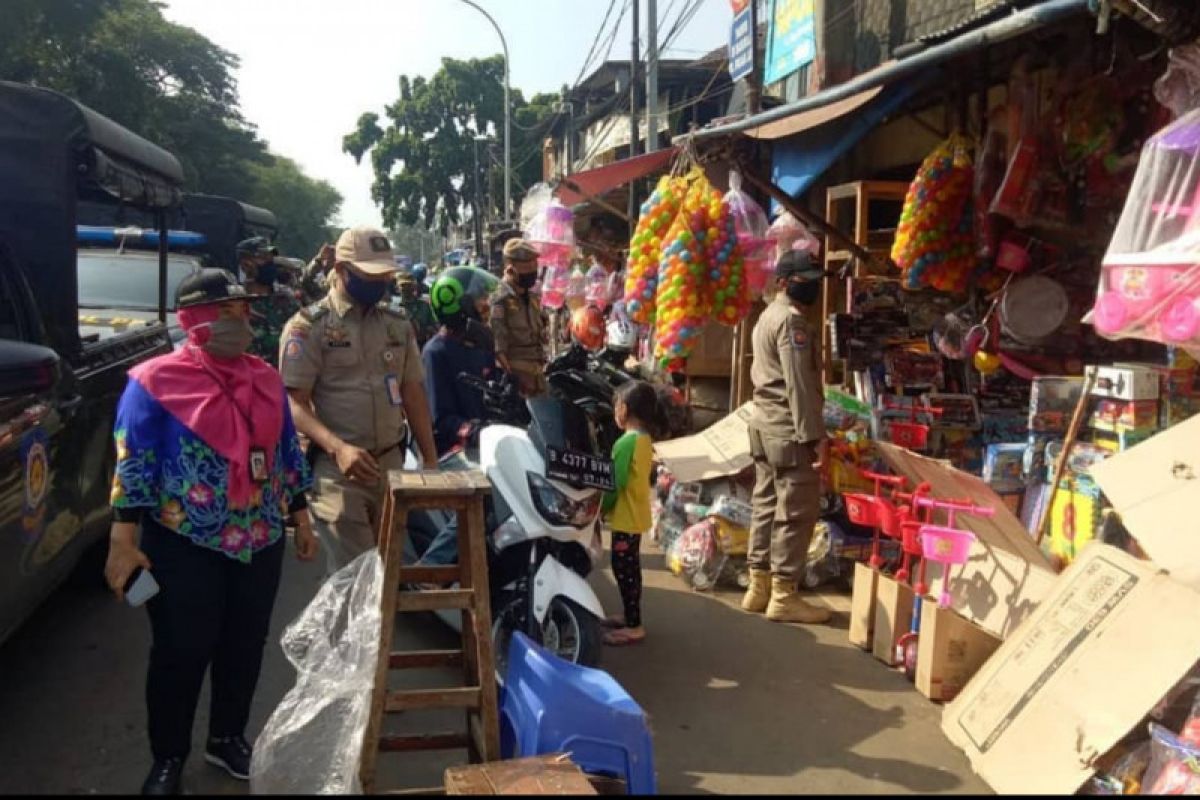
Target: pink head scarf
x: 232, y: 405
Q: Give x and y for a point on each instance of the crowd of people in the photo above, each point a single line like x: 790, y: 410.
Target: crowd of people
x: 288, y: 405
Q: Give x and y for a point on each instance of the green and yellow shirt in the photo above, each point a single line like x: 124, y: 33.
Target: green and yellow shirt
x: 628, y: 507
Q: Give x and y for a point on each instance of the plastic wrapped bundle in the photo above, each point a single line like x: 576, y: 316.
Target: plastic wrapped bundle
x: 552, y: 232
x: 1150, y: 283
x: 312, y: 744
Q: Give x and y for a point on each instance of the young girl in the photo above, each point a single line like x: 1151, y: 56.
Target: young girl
x: 639, y: 413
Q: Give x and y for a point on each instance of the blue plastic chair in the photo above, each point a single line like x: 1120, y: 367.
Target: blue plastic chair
x: 550, y: 705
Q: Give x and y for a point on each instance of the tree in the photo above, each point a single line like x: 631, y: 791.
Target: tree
x: 302, y: 205
x: 167, y: 83
x: 422, y: 152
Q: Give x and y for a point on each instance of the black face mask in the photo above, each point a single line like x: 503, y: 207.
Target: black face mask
x: 526, y: 280
x: 805, y: 293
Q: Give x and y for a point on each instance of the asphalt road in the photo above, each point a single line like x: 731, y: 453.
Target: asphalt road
x: 737, y: 704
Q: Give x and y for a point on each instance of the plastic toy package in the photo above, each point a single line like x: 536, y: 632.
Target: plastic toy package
x: 789, y: 233
x: 751, y: 224
x: 1174, y: 764
x: 552, y: 232
x: 696, y: 556
x: 1150, y: 283
x: 312, y: 742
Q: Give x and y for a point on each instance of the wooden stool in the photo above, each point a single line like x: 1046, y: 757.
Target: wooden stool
x: 547, y: 774
x: 462, y: 493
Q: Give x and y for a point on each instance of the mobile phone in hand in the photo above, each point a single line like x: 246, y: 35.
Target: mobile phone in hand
x: 140, y: 587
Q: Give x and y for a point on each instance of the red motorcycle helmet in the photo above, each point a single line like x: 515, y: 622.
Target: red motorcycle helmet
x: 587, y: 327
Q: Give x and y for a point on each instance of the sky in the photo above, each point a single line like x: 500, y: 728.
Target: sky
x: 310, y: 68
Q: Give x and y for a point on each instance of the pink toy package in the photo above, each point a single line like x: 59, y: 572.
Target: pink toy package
x: 1150, y: 284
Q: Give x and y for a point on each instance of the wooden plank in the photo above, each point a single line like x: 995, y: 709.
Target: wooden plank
x: 442, y: 574
x: 420, y: 742
x: 393, y: 527
x: 424, y: 659
x: 433, y: 599
x: 416, y: 699
x: 552, y: 774
x: 473, y: 534
x: 454, y: 482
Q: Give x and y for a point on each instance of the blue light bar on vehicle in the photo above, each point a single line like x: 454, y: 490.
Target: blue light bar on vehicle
x: 99, y: 235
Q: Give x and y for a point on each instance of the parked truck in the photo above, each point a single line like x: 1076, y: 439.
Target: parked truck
x: 59, y: 385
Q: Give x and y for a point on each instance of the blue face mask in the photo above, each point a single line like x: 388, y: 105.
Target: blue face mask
x: 365, y: 292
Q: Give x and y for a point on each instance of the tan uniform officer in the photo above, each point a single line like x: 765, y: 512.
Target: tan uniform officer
x: 516, y: 319
x: 352, y: 371
x: 787, y: 441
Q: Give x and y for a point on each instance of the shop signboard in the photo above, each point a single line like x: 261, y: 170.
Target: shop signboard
x: 741, y: 45
x: 791, y: 38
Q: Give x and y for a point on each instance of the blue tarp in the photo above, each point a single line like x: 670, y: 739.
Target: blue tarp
x: 800, y: 159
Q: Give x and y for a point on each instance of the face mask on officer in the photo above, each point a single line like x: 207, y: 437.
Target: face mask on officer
x: 525, y: 280
x: 803, y: 292
x: 362, y: 291
x: 267, y: 273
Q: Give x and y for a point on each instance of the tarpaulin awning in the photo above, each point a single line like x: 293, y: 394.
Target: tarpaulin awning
x: 801, y: 122
x: 583, y: 186
x: 797, y: 162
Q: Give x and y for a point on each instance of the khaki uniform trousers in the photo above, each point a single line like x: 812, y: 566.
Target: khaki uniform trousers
x: 787, y: 504
x: 346, y: 513
x: 530, y: 375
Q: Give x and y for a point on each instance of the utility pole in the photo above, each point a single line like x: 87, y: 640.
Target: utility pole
x: 478, y: 203
x: 753, y: 86
x: 633, y: 108
x: 651, y: 75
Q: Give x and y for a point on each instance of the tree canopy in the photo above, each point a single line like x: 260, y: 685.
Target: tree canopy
x: 422, y: 149
x: 171, y: 85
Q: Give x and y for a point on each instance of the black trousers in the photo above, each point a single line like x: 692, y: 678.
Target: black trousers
x: 210, y: 610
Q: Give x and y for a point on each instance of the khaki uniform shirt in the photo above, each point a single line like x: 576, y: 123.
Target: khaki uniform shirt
x: 789, y: 399
x: 354, y: 362
x: 517, y: 325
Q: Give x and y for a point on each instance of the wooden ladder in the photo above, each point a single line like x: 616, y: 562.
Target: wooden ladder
x: 463, y: 493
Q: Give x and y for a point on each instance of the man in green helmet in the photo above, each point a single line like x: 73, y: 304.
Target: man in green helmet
x: 455, y: 299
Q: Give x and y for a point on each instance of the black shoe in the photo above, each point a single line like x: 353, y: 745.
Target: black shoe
x: 165, y: 777
x: 232, y: 754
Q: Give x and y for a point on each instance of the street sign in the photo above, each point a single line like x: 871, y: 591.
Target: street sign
x: 741, y: 45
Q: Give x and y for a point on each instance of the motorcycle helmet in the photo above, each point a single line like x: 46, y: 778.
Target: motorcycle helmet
x: 456, y: 291
x: 622, y: 335
x: 587, y: 327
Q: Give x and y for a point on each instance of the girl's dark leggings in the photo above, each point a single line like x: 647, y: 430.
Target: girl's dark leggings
x: 627, y: 569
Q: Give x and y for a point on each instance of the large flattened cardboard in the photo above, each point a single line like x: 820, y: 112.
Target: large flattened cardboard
x: 1112, y: 638
x: 723, y: 449
x: 1155, y: 487
x: 1007, y: 575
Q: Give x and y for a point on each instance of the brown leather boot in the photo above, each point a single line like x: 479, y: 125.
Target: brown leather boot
x: 786, y: 605
x: 758, y: 594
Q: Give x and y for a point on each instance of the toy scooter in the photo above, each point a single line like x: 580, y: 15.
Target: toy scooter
x: 875, y: 511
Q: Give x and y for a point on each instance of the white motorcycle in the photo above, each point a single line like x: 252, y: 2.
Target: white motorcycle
x: 544, y: 531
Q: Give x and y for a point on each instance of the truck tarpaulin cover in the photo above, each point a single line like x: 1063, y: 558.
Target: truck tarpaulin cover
x: 54, y: 151
x: 312, y: 744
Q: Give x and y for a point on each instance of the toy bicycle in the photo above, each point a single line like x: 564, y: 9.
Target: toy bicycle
x: 910, y: 434
x: 944, y: 544
x: 876, y: 511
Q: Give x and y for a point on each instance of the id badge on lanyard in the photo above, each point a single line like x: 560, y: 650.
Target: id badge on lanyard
x: 258, y: 465
x: 393, y: 389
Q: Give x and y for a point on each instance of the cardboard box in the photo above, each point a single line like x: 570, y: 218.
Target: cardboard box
x: 723, y: 449
x: 1125, y: 381
x: 862, y: 606
x: 1052, y: 399
x: 1138, y: 416
x: 1078, y: 675
x: 1007, y: 575
x: 950, y: 651
x: 893, y: 617
x: 1155, y: 487
x: 712, y: 357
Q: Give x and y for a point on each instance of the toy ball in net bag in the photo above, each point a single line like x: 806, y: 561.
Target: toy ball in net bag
x: 645, y: 249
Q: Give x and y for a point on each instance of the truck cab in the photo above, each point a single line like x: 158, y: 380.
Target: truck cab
x: 60, y: 380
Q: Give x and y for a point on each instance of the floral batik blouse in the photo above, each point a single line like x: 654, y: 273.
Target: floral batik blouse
x: 165, y: 470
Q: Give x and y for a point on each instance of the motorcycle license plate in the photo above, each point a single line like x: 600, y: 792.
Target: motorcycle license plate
x: 580, y: 469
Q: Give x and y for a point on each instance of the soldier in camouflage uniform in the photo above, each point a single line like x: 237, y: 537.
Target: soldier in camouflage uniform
x: 272, y: 305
